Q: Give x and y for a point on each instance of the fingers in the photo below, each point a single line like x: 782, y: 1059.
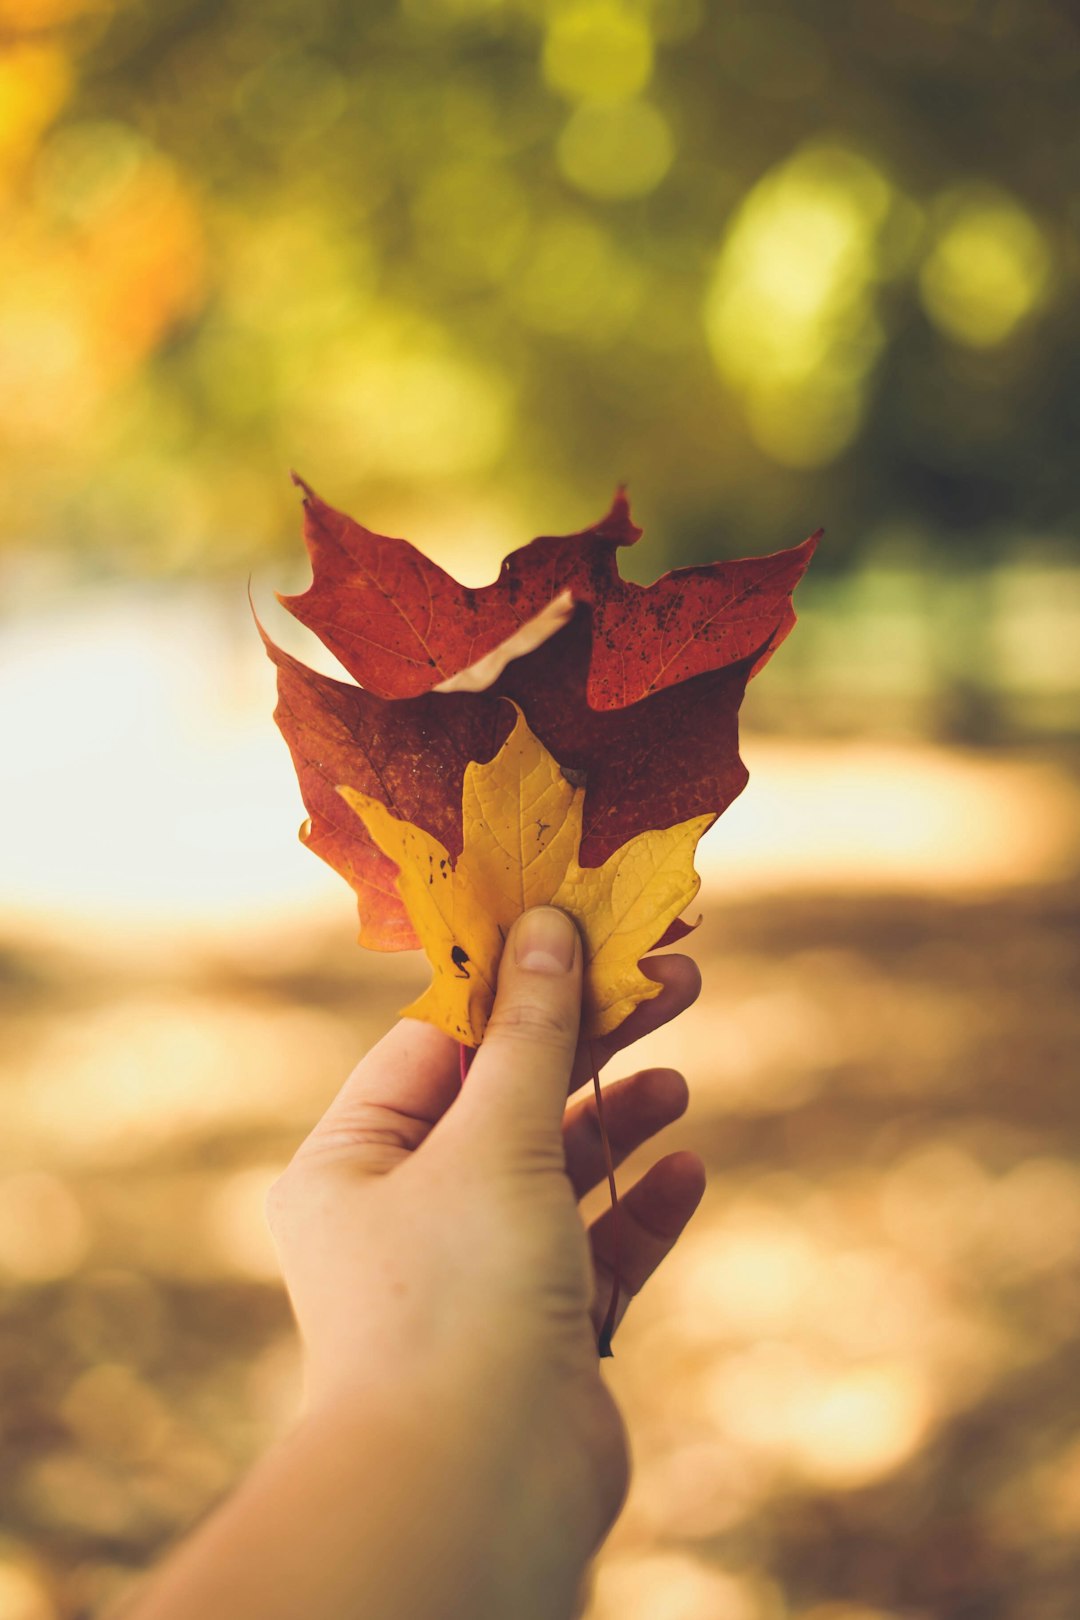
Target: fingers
x: 634, y: 1110
x: 406, y: 1083
x: 517, y: 1084
x: 391, y: 1100
x: 651, y: 1217
x: 681, y: 983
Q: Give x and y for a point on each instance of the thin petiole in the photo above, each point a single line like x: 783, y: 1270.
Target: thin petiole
x: 608, y: 1328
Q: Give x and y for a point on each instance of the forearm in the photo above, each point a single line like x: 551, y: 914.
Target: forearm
x: 399, y: 1515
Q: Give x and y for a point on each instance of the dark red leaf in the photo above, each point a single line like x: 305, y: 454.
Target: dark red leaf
x: 671, y: 756
x: 410, y: 754
x: 401, y: 625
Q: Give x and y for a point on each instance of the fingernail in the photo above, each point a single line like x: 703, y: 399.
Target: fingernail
x: 544, y: 941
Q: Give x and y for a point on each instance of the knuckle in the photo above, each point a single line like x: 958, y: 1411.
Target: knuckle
x: 535, y: 1022
x: 364, y: 1126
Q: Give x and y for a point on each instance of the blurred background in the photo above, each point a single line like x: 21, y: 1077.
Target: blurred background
x: 465, y: 265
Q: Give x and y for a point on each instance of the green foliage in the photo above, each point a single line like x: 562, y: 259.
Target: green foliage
x: 467, y: 263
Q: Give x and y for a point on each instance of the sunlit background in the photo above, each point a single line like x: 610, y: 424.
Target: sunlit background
x: 467, y: 264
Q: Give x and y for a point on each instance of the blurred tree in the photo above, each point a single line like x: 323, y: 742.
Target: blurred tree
x: 775, y: 266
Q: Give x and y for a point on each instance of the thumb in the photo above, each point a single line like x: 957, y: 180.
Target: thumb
x: 517, y: 1085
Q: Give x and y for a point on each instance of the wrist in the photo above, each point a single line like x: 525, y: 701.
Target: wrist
x: 496, y: 1511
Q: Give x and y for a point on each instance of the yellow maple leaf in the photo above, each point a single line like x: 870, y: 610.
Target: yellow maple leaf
x: 521, y: 820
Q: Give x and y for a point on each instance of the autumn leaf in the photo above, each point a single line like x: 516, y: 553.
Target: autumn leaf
x: 411, y: 755
x: 672, y: 756
x: 402, y: 626
x: 522, y: 823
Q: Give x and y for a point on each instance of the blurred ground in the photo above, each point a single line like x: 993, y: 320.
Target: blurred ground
x: 855, y: 1384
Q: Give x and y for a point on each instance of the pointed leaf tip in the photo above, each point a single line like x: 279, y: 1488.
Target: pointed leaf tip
x: 301, y: 483
x: 617, y: 524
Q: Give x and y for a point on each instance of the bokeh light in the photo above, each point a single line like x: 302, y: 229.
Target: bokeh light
x: 472, y: 220
x: 574, y: 282
x: 791, y: 315
x: 34, y: 82
x: 678, y: 1586
x: 988, y: 267
x: 43, y: 1232
x: 22, y: 1595
x: 597, y: 50
x: 404, y: 403
x: 623, y: 150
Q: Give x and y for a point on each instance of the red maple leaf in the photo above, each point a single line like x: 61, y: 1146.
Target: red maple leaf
x: 410, y: 754
x: 401, y: 625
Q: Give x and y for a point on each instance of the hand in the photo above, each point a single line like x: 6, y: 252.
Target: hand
x: 433, y: 1248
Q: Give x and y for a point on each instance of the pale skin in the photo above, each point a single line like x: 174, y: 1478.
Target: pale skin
x: 459, y: 1452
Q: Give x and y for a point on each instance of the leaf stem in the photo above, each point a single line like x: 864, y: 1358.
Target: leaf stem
x: 608, y: 1328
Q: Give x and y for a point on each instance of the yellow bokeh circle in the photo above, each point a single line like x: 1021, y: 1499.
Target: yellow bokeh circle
x: 597, y: 51
x: 988, y: 269
x: 620, y: 150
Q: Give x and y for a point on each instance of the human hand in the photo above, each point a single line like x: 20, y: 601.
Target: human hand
x: 434, y: 1252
